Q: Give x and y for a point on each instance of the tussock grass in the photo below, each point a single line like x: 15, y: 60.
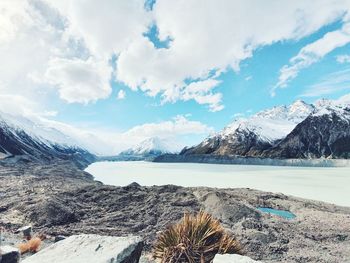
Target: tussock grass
x: 33, y: 245
x: 195, y: 239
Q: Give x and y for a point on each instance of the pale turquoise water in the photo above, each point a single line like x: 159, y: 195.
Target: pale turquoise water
x: 281, y: 213
x: 325, y: 184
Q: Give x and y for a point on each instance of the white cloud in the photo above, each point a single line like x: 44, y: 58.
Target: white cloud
x: 16, y: 104
x: 63, y: 40
x: 179, y: 130
x: 121, y: 95
x: 179, y: 125
x: 331, y: 83
x: 343, y: 59
x: 106, y: 26
x: 312, y: 53
x: 208, y: 38
x: 78, y: 80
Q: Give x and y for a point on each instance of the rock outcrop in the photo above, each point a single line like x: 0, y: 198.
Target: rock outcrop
x: 91, y: 249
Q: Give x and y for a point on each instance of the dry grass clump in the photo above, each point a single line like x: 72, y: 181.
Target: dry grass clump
x: 33, y: 245
x: 195, y: 239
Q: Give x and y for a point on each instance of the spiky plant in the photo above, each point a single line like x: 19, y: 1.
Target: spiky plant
x: 195, y: 239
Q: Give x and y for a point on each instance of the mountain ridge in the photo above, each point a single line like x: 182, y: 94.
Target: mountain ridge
x: 285, y: 132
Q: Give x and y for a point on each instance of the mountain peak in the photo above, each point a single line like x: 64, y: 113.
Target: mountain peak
x: 152, y: 145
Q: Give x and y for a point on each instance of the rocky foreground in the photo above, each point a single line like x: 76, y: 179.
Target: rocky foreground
x: 56, y: 201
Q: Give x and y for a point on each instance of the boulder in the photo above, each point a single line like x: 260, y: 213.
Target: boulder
x: 26, y: 230
x: 233, y: 258
x: 9, y: 254
x: 91, y: 249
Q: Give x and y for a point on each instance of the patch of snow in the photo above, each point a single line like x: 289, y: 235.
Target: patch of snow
x: 340, y: 107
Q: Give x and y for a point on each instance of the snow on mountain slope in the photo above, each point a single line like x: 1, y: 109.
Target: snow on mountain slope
x: 153, y: 145
x: 251, y: 136
x: 38, y: 130
x: 271, y: 124
x: 323, y: 134
x: 20, y: 136
x: 300, y: 130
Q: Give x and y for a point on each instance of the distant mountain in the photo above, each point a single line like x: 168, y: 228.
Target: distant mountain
x: 323, y: 134
x: 299, y: 130
x: 147, y: 149
x: 250, y: 137
x: 21, y: 138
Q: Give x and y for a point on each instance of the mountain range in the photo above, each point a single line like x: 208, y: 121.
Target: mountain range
x: 300, y: 130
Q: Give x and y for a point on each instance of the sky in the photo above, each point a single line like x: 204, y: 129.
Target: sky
x: 121, y: 71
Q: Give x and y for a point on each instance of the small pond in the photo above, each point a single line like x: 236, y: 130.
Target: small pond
x: 281, y: 213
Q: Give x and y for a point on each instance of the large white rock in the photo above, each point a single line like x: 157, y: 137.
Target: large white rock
x: 233, y: 258
x: 91, y: 249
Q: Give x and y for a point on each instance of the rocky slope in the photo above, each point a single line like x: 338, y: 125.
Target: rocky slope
x: 325, y: 133
x: 297, y: 131
x: 62, y: 203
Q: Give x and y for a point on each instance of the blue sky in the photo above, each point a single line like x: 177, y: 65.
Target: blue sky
x: 173, y: 69
x: 244, y: 92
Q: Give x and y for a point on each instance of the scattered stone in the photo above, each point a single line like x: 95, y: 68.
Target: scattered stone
x: 133, y: 185
x: 9, y: 254
x: 91, y: 249
x: 59, y: 238
x: 228, y: 258
x: 26, y: 230
x: 68, y: 204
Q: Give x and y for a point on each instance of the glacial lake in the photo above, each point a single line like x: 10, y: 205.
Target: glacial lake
x: 324, y: 184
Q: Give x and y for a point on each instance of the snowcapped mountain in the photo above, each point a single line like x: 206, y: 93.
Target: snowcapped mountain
x: 20, y: 136
x: 37, y: 130
x: 149, y: 148
x: 299, y: 130
x: 323, y: 134
x: 272, y: 124
x: 249, y: 136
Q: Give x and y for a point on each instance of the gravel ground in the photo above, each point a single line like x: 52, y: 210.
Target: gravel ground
x: 69, y: 202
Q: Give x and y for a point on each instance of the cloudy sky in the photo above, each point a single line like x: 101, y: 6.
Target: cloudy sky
x: 131, y: 69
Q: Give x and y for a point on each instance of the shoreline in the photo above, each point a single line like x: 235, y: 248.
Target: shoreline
x: 236, y: 160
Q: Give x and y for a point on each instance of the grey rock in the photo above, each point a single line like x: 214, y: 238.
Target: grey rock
x: 91, y: 249
x: 25, y: 230
x: 59, y: 238
x: 9, y: 254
